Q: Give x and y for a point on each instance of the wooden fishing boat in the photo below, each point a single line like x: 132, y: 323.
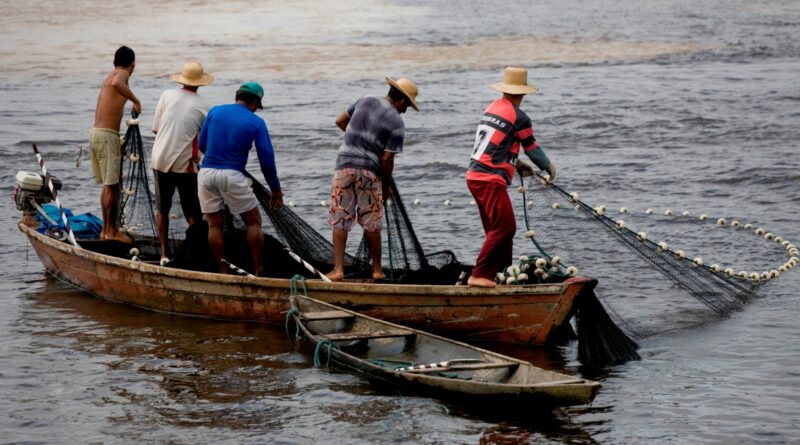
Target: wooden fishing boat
x: 429, y: 364
x: 534, y: 314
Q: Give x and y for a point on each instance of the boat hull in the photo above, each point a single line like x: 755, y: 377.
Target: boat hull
x: 383, y: 352
x: 517, y: 314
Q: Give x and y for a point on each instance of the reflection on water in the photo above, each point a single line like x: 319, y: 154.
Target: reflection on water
x: 142, y: 368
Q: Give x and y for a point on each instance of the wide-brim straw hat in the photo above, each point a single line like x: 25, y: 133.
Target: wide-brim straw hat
x: 193, y: 75
x: 407, y: 87
x: 515, y: 81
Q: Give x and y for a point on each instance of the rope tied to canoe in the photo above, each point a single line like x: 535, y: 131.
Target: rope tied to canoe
x: 293, y: 285
x: 320, y: 344
x: 292, y: 314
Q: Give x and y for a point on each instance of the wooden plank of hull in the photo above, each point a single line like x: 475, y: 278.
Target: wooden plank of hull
x: 519, y: 314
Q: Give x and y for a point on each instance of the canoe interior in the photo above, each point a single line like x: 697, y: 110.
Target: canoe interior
x: 193, y: 253
x: 377, y: 350
x: 525, y: 314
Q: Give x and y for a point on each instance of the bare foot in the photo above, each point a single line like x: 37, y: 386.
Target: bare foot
x: 119, y: 236
x: 378, y: 276
x: 335, y: 276
x: 480, y: 282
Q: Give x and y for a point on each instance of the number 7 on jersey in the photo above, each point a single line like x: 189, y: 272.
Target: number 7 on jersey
x: 482, y: 138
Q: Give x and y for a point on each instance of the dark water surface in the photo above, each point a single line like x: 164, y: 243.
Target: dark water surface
x: 663, y: 104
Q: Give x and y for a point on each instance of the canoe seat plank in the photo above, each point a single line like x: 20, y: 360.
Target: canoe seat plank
x: 326, y: 315
x: 345, y: 336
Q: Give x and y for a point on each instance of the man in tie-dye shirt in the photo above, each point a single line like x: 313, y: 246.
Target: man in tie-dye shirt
x: 373, y: 134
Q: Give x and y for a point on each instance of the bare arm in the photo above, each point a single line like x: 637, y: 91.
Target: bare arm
x: 120, y: 84
x: 343, y: 120
x: 387, y: 166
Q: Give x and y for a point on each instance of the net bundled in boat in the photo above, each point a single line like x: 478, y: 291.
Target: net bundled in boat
x: 407, y: 261
x: 136, y: 201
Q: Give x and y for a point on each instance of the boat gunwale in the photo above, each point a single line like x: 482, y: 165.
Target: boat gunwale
x: 312, y: 284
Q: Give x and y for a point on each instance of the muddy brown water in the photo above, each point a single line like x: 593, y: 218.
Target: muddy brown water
x: 663, y: 104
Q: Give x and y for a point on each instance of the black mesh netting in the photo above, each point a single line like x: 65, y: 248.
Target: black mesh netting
x: 649, y: 288
x: 407, y: 262
x: 136, y: 201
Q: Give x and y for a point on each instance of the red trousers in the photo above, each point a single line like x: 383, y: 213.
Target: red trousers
x: 499, y: 223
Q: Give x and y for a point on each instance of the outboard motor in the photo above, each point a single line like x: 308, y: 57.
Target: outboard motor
x: 31, y: 192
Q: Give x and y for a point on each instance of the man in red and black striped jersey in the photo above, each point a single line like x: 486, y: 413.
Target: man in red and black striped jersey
x: 503, y: 129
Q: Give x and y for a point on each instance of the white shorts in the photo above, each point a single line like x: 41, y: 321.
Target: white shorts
x: 217, y: 187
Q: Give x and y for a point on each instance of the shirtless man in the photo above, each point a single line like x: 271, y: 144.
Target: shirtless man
x: 104, y: 139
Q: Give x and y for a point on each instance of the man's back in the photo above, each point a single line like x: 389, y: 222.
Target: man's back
x: 110, y: 103
x: 179, y: 116
x: 374, y: 126
x: 228, y: 134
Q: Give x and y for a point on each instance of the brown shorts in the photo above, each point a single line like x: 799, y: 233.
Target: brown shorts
x: 105, y: 147
x: 356, y: 193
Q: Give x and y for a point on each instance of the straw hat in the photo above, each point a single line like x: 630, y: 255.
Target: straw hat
x: 515, y: 81
x: 193, y: 75
x: 407, y: 87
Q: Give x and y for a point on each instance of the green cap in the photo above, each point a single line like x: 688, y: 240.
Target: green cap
x: 255, y: 89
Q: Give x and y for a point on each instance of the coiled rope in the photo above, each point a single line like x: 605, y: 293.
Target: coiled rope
x: 318, y: 348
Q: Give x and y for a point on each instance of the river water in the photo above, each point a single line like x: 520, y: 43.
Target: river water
x: 663, y: 104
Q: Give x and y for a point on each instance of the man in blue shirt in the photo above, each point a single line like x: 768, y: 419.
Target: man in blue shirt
x: 227, y: 135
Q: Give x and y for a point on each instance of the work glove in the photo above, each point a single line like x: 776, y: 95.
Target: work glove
x: 524, y: 169
x: 551, y: 170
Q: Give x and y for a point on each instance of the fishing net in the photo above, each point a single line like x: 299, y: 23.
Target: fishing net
x: 403, y: 253
x: 136, y: 201
x: 674, y: 270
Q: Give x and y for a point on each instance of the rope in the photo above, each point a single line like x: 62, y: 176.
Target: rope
x: 389, y: 242
x: 389, y: 363
x: 293, y: 285
x: 527, y: 225
x: 305, y: 264
x: 320, y: 344
x: 293, y: 312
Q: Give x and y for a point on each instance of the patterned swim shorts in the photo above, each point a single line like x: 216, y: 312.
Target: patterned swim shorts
x: 356, y: 193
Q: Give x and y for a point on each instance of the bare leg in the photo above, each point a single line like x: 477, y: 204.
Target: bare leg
x: 255, y: 238
x: 109, y: 202
x: 162, y: 223
x: 339, y: 243
x: 216, y: 241
x: 374, y: 242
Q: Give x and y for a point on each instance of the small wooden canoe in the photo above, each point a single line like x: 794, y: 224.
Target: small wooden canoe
x: 428, y: 364
x: 525, y: 314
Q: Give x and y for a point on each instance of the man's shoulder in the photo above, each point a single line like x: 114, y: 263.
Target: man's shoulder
x: 120, y: 75
x: 220, y: 108
x: 194, y: 99
x: 505, y: 109
x: 236, y: 112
